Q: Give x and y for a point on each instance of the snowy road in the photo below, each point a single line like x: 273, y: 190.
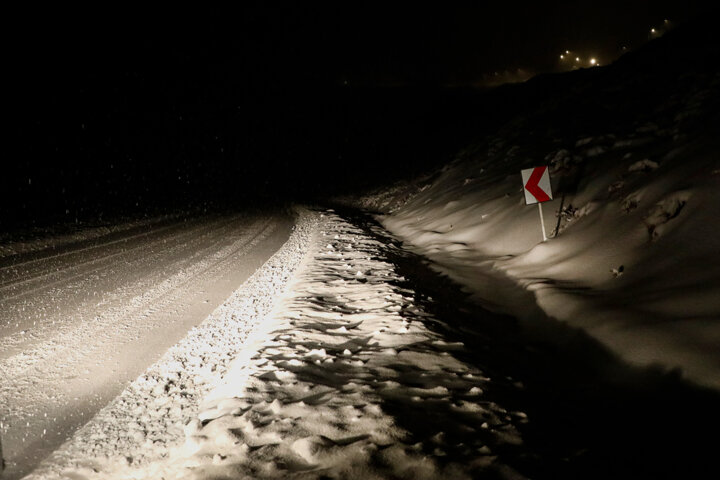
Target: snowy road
x: 346, y: 356
x: 80, y: 322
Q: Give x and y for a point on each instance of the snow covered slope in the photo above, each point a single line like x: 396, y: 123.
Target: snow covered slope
x: 634, y: 157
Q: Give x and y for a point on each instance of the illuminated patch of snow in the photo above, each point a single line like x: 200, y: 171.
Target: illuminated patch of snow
x: 326, y: 386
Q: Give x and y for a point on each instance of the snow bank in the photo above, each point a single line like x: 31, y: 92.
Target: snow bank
x: 633, y: 258
x: 342, y: 375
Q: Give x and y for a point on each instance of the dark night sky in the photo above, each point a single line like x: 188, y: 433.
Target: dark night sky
x: 120, y: 107
x: 368, y: 42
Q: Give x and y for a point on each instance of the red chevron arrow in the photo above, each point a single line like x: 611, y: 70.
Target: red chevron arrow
x: 532, y: 185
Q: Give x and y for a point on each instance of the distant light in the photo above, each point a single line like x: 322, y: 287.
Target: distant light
x: 577, y: 59
x: 593, y: 61
x: 666, y: 20
x: 562, y: 56
x: 567, y: 52
x: 652, y: 30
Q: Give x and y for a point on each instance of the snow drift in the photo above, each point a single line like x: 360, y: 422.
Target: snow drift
x: 633, y: 255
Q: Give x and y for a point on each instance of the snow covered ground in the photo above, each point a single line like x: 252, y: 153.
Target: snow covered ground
x: 345, y: 357
x: 140, y: 426
x: 318, y: 386
x: 80, y: 322
x: 634, y: 253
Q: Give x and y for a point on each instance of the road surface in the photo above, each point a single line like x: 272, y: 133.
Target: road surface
x: 80, y: 322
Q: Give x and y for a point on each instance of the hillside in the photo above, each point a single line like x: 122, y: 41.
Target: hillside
x: 632, y: 258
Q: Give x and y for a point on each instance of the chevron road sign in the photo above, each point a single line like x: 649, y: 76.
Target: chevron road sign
x: 536, y: 185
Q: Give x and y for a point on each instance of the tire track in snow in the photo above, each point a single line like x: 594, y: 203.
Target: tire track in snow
x: 15, y: 266
x: 69, y: 292
x: 13, y: 283
x: 57, y: 331
x: 40, y: 360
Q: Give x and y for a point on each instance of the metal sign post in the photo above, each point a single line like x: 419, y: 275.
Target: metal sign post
x: 542, y: 222
x: 536, y: 185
